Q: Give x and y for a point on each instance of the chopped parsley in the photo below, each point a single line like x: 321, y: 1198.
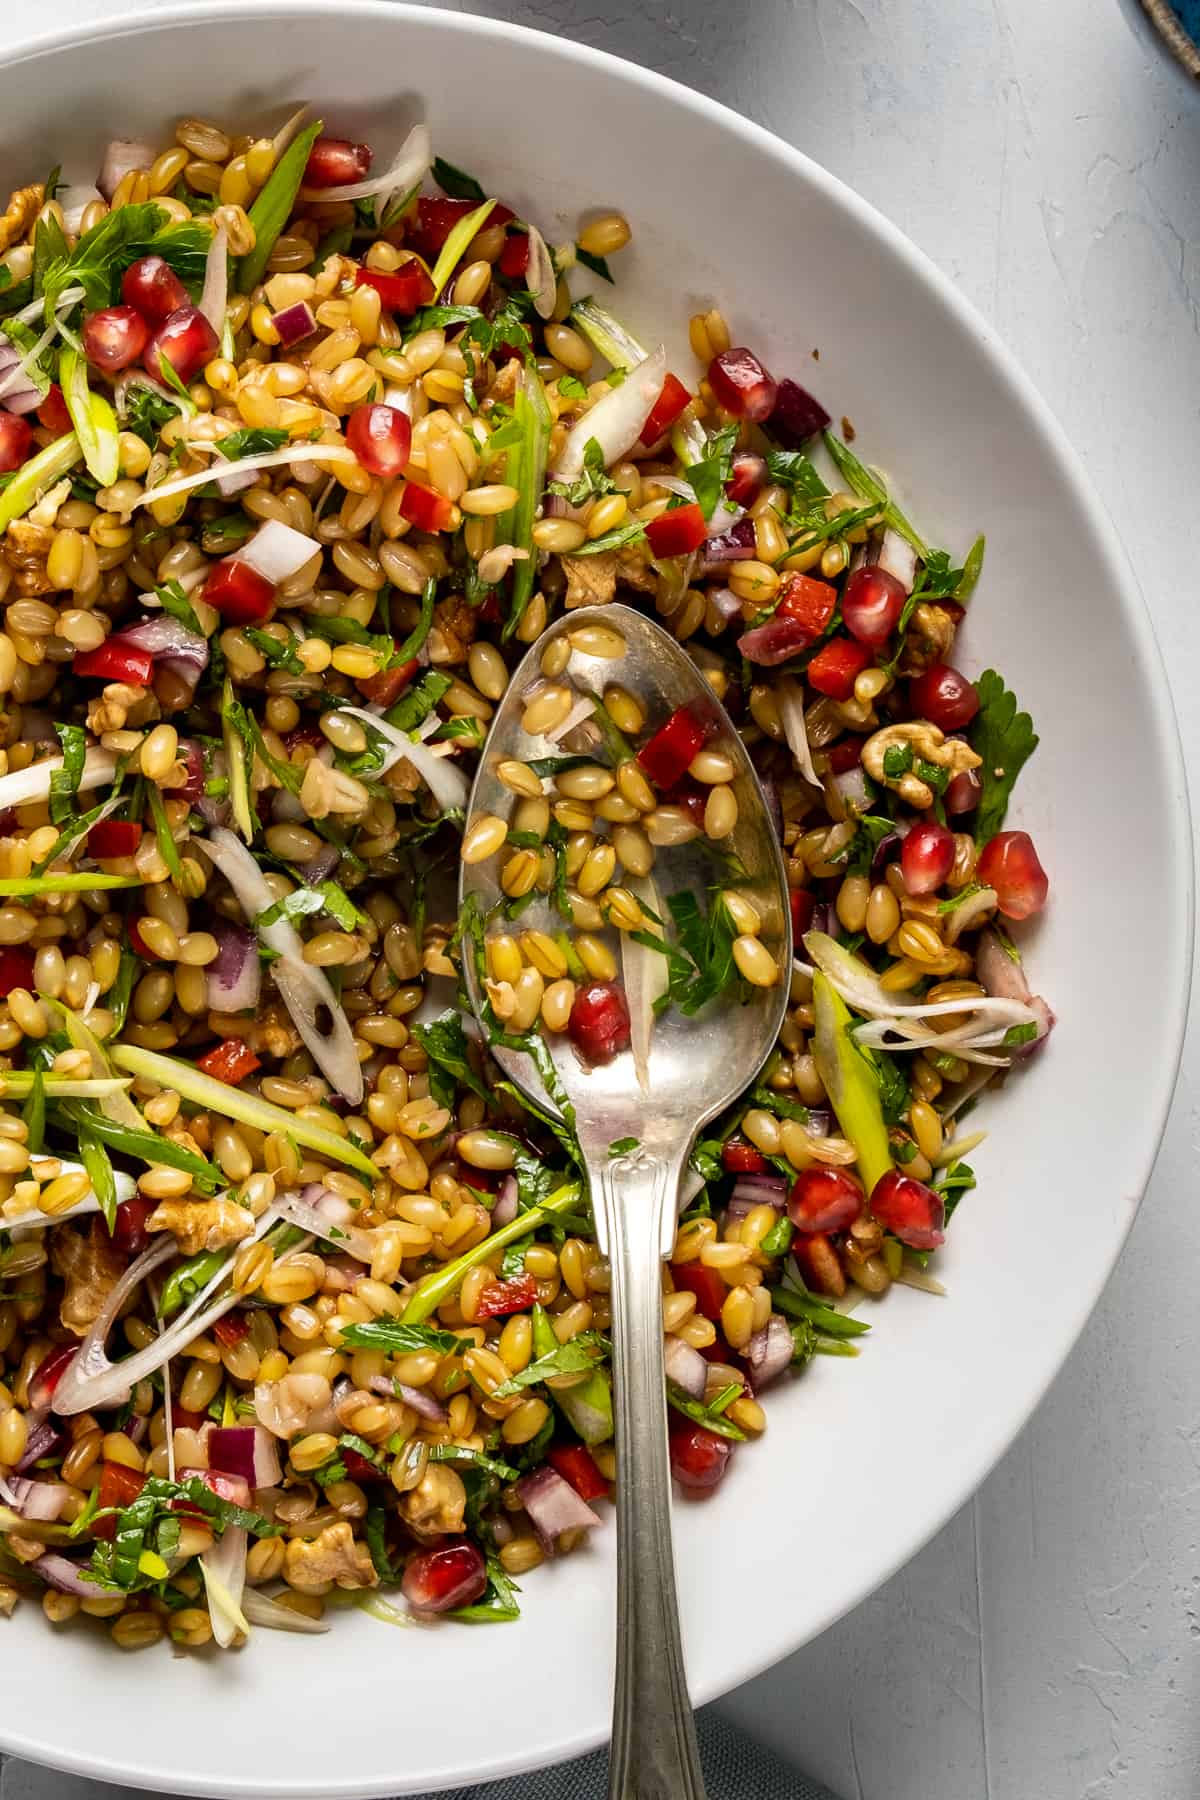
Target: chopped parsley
x: 1005, y: 739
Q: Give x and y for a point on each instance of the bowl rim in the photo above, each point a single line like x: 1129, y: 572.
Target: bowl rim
x: 1170, y: 38
x: 1176, y: 951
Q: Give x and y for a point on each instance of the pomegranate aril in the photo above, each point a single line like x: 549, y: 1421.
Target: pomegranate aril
x: 16, y: 441
x: 599, y: 1021
x: 514, y: 258
x: 963, y: 793
x: 747, y: 479
x: 666, y: 757
x: 909, y: 1210
x: 49, y: 1373
x: 186, y: 341
x: 803, y: 904
x: 846, y: 756
x: 796, y: 416
x: 452, y: 1574
x: 678, y: 532
x: 129, y: 1225
x: 239, y: 593
x: 53, y: 414
x: 872, y: 602
x: 114, y: 837
x: 824, y: 1200
x: 1010, y: 864
x: 945, y: 697
x: 114, y: 337
x: 671, y: 402
x: 699, y: 1457
x: 335, y: 162
x: 151, y: 286
x: 741, y: 385
x: 926, y: 857
x: 381, y: 438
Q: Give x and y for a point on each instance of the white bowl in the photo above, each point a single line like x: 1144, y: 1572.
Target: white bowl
x: 863, y: 1461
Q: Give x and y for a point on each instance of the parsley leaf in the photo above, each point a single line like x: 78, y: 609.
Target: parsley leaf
x: 795, y: 470
x: 1005, y: 739
x: 102, y: 255
x: 596, y: 264
x: 176, y: 605
x: 616, y: 539
x: 146, y: 412
x: 251, y: 440
x: 497, y: 1604
x: 591, y: 483
x: 456, y: 182
x: 398, y: 1339
x: 583, y: 1351
x: 709, y: 475
x: 701, y: 1414
x: 64, y: 782
x: 862, y: 481
x: 444, y: 1042
x: 326, y: 897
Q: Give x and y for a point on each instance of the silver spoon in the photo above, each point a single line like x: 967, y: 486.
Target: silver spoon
x: 696, y: 1067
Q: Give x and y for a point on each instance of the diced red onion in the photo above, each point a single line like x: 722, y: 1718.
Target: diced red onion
x: 294, y: 323
x: 41, y: 1500
x: 75, y: 198
x: 171, y: 645
x: 65, y: 1576
x: 235, y: 974
x: 685, y: 1366
x: 770, y: 1351
x: 553, y: 1506
x: 421, y: 1402
x: 583, y: 709
x: 851, y: 784
x: 820, y: 1121
x: 1003, y: 976
x: 505, y: 1209
x: 618, y: 420
x: 886, y: 851
x: 23, y: 395
x: 278, y: 551
x: 44, y: 1438
x: 763, y: 1189
x: 122, y: 155
x: 726, y: 603
x: 245, y: 1450
x: 735, y: 545
x: 323, y: 864
x: 215, y: 293
x: 234, y: 480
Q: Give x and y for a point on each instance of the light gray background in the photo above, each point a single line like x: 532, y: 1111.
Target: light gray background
x: 1047, y: 1645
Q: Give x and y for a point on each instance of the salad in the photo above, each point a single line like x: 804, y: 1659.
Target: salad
x: 300, y: 1303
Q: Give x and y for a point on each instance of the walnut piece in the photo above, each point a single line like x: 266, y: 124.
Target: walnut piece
x: 929, y: 639
x: 26, y: 548
x: 22, y: 209
x: 591, y: 580
x: 333, y: 1556
x: 453, y: 630
x: 436, y: 1505
x: 925, y: 743
x: 89, y: 1268
x: 202, y: 1224
x: 634, y: 571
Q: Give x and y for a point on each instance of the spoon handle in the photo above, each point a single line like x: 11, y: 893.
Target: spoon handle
x: 654, y: 1755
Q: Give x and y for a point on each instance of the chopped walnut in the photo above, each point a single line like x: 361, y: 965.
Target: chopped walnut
x: 22, y: 209
x: 294, y: 1403
x: 505, y: 385
x: 333, y: 1556
x: 25, y: 1549
x: 634, y: 571
x: 202, y: 1224
x: 923, y: 742
x: 27, y: 547
x: 436, y: 1505
x: 453, y: 630
x: 274, y: 1032
x: 89, y: 1268
x: 8, y: 1598
x: 591, y: 580
x: 929, y: 640
x: 120, y: 705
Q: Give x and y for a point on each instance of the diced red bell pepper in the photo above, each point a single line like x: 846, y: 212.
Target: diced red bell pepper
x: 53, y: 414
x: 427, y: 510
x: 16, y: 969
x: 437, y: 217
x: 837, y: 666
x: 129, y: 1226
x: 231, y: 1061
x: 672, y: 401
x: 666, y: 756
x: 138, y: 944
x: 240, y: 594
x: 742, y: 1159
x: 386, y: 688
x: 16, y: 441
x: 231, y: 1329
x: 514, y: 258
x: 808, y: 601
x: 116, y: 662
x: 803, y: 904
x: 119, y: 1486
x: 401, y: 290
x: 678, y: 532
x: 182, y: 1419
x: 113, y: 837
x: 697, y: 1278
x: 575, y: 1463
x: 517, y: 1295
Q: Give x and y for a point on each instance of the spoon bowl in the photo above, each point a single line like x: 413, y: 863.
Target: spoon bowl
x: 636, y: 1117
x: 696, y: 1066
